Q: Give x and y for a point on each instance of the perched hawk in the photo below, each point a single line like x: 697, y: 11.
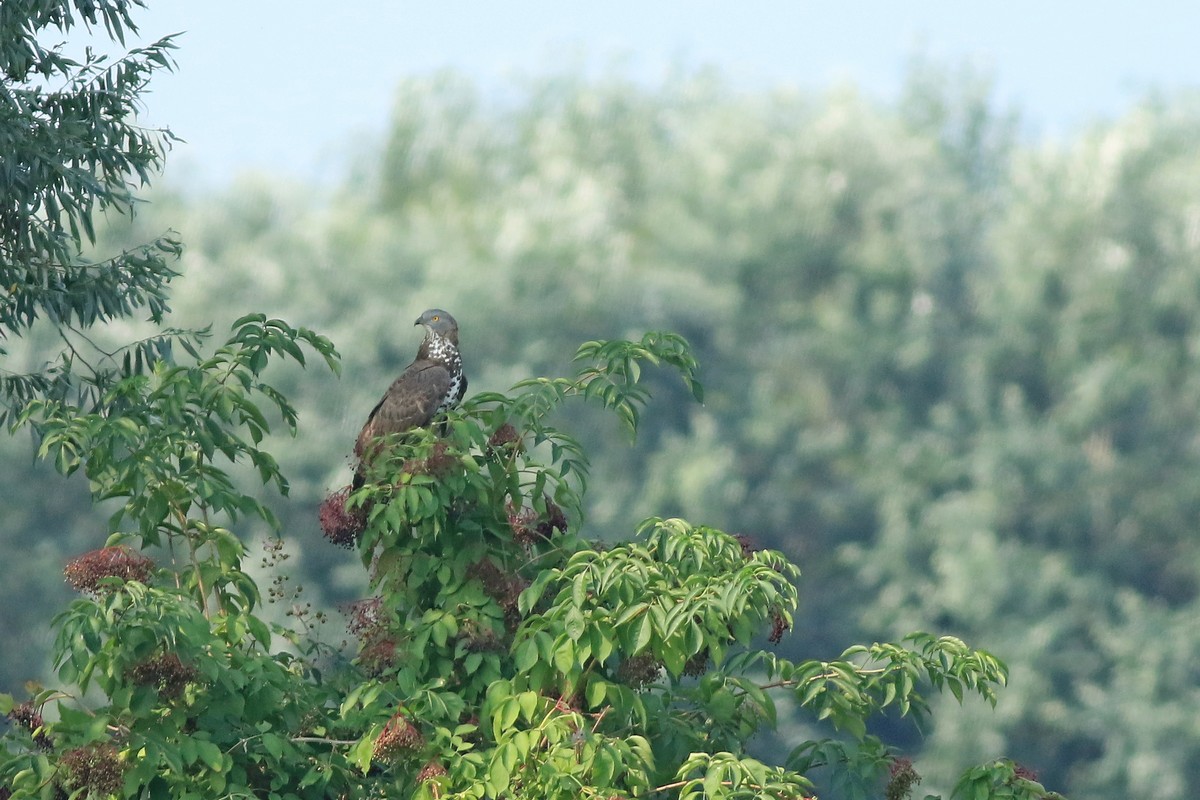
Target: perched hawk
x: 431, y: 384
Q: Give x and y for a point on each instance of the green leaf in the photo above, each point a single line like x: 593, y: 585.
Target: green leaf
x: 360, y: 753
x: 602, y: 644
x: 496, y: 778
x: 574, y: 623
x: 273, y: 744
x: 597, y: 690
x: 528, y: 703
x: 604, y: 767
x: 645, y: 630
x: 505, y: 717
x: 722, y: 706
x: 563, y: 656
x: 526, y: 654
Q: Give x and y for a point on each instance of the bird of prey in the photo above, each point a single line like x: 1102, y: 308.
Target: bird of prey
x: 431, y: 384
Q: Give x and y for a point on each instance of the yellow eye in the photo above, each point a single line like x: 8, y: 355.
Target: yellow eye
x: 434, y: 318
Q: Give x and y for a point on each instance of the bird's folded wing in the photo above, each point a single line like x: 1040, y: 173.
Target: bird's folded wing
x: 410, y: 402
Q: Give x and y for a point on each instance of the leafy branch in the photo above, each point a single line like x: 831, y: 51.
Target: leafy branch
x: 155, y: 439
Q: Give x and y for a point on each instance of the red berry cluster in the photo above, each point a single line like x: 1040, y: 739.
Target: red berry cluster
x: 638, y: 671
x: 376, y: 643
x: 697, y: 665
x: 377, y: 656
x: 364, y: 616
x: 503, y: 587
x: 505, y: 438
x: 779, y: 626
x: 86, y: 572
x: 341, y: 525
x: 438, y: 464
x: 96, y: 768
x: 528, y: 528
x: 1025, y: 773
x: 431, y: 770
x: 555, y: 520
x: 522, y: 523
x: 28, y: 717
x: 749, y: 547
x: 902, y: 778
x: 165, y: 672
x: 399, y: 738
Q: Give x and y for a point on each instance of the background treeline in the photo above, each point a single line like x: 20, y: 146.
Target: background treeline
x: 954, y: 375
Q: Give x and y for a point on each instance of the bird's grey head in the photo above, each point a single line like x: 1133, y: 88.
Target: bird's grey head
x: 439, y: 322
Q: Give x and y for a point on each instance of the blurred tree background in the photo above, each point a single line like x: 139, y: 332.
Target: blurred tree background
x: 951, y: 373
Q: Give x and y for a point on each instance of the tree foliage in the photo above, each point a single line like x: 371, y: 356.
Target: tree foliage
x: 73, y: 149
x: 503, y: 654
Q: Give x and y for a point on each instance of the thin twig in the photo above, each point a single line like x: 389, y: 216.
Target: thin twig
x: 323, y: 740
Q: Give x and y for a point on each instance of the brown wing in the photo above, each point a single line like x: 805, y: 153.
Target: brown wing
x: 409, y: 402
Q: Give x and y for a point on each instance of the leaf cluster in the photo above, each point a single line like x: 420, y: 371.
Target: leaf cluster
x: 525, y: 661
x: 73, y: 148
x: 163, y: 443
x: 503, y: 655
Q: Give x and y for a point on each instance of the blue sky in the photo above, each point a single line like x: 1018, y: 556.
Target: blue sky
x: 286, y: 87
